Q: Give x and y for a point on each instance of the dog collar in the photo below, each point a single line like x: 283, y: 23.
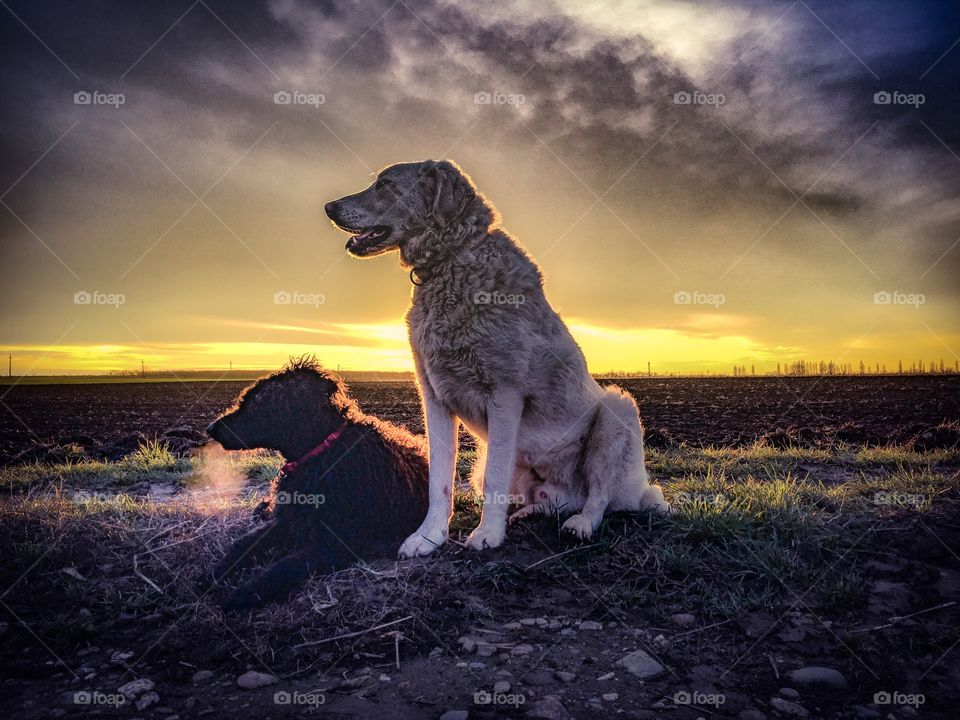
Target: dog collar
x: 318, y: 450
x: 420, y: 275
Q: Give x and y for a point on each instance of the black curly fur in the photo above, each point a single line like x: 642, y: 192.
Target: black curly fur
x: 358, y: 500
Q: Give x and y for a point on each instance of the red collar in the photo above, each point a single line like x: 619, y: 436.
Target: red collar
x: 318, y: 450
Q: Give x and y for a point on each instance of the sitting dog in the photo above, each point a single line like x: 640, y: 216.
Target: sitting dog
x: 489, y: 351
x: 352, y: 489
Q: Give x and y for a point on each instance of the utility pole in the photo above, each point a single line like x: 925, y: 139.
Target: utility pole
x: 649, y: 374
x: 143, y: 372
x: 10, y: 365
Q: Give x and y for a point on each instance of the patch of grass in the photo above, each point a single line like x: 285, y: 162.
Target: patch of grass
x: 151, y: 462
x: 900, y: 456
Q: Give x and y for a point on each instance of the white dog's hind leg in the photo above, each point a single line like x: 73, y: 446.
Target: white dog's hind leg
x: 442, y: 441
x: 503, y: 423
x: 613, y: 467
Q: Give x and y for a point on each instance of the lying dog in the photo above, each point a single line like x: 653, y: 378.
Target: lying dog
x: 353, y: 486
x: 510, y: 370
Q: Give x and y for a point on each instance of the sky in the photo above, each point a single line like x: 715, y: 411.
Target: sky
x: 704, y: 184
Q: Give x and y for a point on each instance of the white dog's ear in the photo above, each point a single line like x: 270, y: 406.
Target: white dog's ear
x: 452, y: 192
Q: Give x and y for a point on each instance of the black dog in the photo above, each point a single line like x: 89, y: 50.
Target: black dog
x: 354, y: 487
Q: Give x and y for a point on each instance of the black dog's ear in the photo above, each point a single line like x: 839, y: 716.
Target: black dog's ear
x: 452, y: 192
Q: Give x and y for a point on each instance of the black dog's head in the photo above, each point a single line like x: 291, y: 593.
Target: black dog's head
x: 290, y: 411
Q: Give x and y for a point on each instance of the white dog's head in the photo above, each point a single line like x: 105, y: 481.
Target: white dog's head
x: 416, y: 208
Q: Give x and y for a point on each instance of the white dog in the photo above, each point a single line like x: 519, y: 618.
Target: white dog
x: 491, y: 353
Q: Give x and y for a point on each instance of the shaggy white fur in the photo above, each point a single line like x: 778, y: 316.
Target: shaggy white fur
x: 492, y: 353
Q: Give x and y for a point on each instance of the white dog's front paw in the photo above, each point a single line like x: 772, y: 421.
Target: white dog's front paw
x: 578, y: 526
x: 486, y: 537
x: 423, y: 542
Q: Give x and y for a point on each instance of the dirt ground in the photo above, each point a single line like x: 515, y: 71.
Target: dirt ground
x: 794, y: 579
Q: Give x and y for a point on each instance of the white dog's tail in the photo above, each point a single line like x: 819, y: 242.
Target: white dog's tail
x: 617, y: 439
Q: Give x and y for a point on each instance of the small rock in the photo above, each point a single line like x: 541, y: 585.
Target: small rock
x: 683, y: 619
x: 565, y: 677
x: 538, y: 677
x: 147, y: 699
x: 120, y: 657
x: 455, y: 715
x: 641, y: 664
x: 549, y: 709
x: 610, y: 697
x: 528, y: 621
x: 522, y: 650
x: 202, y: 676
x: 385, y: 678
x: 501, y: 687
x: 815, y: 675
x: 485, y: 649
x: 789, y: 693
x: 512, y: 626
x: 253, y: 679
x: 135, y: 688
x: 468, y: 644
x: 477, y: 665
x: 788, y: 708
x: 591, y: 625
